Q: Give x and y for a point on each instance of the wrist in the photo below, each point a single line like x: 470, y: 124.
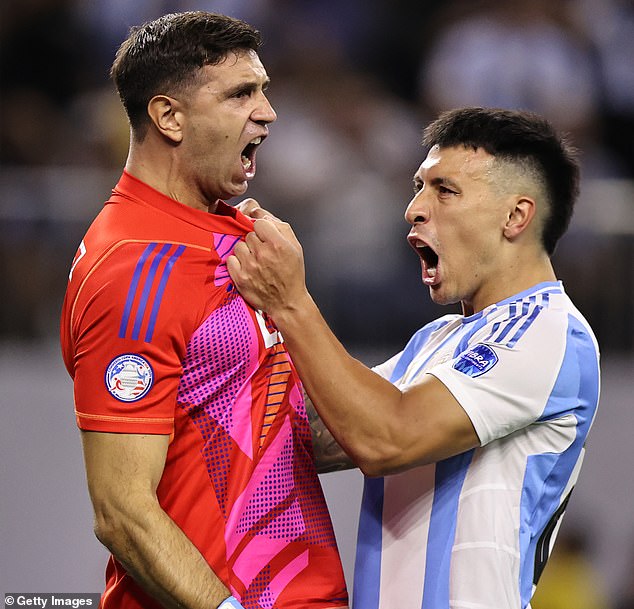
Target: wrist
x: 292, y: 313
x: 230, y: 603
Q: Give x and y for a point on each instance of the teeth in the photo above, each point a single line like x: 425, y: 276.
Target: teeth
x: 246, y: 163
x: 431, y: 271
x: 256, y: 141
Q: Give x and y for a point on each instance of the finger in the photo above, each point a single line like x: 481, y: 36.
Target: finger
x: 272, y: 231
x: 241, y: 251
x: 259, y: 213
x: 253, y: 241
x: 248, y: 206
x: 267, y: 229
x: 235, y: 269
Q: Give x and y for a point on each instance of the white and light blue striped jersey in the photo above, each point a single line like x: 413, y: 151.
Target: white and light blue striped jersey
x: 474, y: 531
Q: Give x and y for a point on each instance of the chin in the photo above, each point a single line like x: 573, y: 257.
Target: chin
x: 441, y: 298
x: 234, y: 192
x: 239, y: 190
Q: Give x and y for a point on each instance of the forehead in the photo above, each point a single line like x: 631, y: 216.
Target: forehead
x: 456, y: 162
x: 240, y: 66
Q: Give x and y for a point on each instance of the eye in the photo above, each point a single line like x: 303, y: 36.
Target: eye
x: 418, y: 186
x: 443, y: 190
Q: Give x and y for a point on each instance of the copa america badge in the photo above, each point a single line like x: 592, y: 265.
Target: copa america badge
x: 477, y: 361
x: 129, y: 377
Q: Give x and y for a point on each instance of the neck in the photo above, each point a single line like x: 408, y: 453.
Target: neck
x: 515, y: 279
x: 163, y: 173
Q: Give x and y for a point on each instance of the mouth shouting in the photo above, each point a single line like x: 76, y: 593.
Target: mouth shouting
x: 429, y: 261
x: 247, y: 157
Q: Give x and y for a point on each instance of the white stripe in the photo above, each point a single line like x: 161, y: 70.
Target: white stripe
x: 481, y: 545
x: 405, y: 532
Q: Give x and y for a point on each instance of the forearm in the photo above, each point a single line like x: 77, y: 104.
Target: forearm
x: 353, y: 401
x: 381, y: 428
x: 159, y: 557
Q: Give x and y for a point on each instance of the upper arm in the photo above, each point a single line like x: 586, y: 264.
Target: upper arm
x: 123, y: 469
x: 126, y: 362
x: 427, y: 425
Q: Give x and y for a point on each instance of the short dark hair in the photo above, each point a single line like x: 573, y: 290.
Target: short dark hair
x: 522, y: 138
x: 164, y: 55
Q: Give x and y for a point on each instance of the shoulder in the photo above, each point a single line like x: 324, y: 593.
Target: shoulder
x: 444, y: 323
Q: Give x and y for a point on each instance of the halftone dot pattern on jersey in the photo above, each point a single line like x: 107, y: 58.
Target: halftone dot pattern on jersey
x: 276, y: 488
x: 258, y: 594
x: 217, y: 364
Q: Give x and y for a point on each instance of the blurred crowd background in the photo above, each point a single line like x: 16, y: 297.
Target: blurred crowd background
x: 353, y: 82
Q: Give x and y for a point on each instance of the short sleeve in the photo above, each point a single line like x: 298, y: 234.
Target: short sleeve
x: 386, y: 369
x: 505, y: 388
x: 129, y: 333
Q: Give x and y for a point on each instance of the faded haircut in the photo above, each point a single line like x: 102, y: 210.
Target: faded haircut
x: 525, y: 140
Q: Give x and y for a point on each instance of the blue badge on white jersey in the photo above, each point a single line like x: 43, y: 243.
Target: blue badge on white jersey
x: 476, y: 361
x: 129, y: 377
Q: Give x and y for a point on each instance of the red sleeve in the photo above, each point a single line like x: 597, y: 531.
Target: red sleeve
x: 129, y: 330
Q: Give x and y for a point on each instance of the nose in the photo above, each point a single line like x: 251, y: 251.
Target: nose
x: 417, y: 212
x: 264, y: 112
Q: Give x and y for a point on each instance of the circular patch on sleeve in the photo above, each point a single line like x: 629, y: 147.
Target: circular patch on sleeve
x: 129, y: 377
x: 476, y: 361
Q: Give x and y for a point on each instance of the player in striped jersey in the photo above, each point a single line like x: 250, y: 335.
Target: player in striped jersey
x: 472, y: 437
x: 196, y: 438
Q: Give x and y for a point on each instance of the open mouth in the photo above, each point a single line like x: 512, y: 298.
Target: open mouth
x: 429, y: 259
x: 247, y: 157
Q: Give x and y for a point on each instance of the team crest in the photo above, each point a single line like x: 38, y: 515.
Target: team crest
x: 476, y: 361
x: 129, y: 377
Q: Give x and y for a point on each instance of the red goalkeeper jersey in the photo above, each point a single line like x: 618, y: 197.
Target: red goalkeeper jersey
x: 158, y: 341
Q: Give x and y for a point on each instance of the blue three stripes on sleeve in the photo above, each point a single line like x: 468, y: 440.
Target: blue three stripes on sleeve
x: 152, y: 257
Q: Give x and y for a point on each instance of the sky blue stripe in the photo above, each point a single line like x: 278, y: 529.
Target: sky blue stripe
x: 159, y: 292
x: 471, y: 330
x: 578, y: 377
x: 494, y: 330
x: 525, y: 326
x: 576, y: 390
x: 450, y: 477
x: 414, y: 345
x: 147, y: 286
x: 514, y: 319
x: 367, y: 568
x: 134, y: 284
x: 539, y: 499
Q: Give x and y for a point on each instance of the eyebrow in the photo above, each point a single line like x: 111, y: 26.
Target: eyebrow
x: 438, y: 181
x: 248, y: 86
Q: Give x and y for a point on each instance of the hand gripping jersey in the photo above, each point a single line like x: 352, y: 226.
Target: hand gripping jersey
x: 158, y: 341
x: 475, y: 530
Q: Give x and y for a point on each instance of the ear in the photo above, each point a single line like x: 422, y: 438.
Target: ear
x: 166, y: 116
x: 520, y: 217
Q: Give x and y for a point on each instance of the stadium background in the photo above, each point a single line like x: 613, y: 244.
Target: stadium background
x: 353, y: 83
